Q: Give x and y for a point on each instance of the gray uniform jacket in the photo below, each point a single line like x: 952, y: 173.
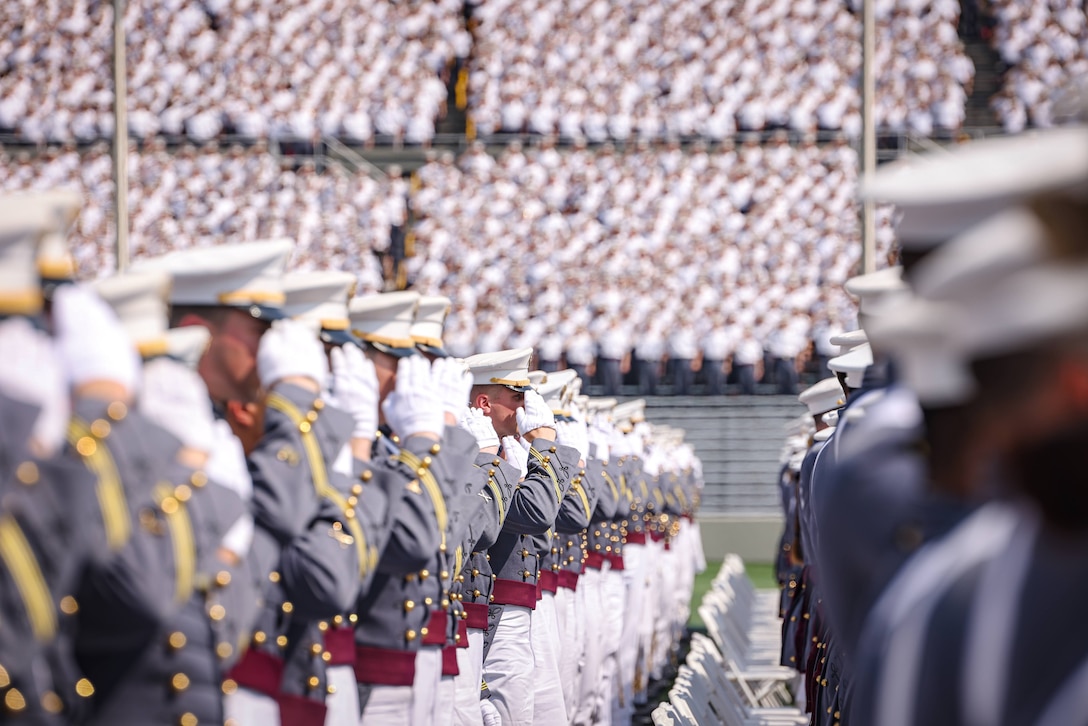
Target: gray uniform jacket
x: 394, y: 614
x: 533, y: 509
x: 47, y: 527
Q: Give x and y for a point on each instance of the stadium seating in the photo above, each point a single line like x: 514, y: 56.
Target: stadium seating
x: 672, y: 68
x: 255, y: 68
x: 1045, y: 45
x: 732, y: 677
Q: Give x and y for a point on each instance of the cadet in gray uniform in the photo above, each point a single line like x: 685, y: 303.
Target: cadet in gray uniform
x: 501, y: 381
x: 395, y: 613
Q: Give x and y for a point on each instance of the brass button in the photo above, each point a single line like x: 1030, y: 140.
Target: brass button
x: 410, y: 635
x: 222, y: 578
x: 117, y: 411
x: 424, y: 574
x: 259, y: 637
x: 224, y: 650
x: 179, y: 682
x: 84, y: 688
x: 287, y: 607
x: 68, y: 605
x: 230, y: 687
x: 14, y: 700
x: 313, y: 682
x: 281, y: 641
x: 409, y: 606
x: 217, y: 612
x: 177, y: 640
x: 27, y: 473
x: 182, y: 493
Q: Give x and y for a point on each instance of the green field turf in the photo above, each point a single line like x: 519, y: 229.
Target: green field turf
x: 762, y: 574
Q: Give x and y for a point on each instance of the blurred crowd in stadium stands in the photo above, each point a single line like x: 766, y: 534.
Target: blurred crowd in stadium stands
x: 255, y: 68
x: 596, y: 257
x: 611, y: 260
x: 1045, y: 44
x: 595, y: 68
x: 654, y: 68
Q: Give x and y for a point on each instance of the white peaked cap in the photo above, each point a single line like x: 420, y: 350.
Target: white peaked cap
x: 878, y: 291
x: 554, y: 387
x: 944, y: 193
x: 247, y: 276
x: 824, y: 396
x: 24, y: 218
x: 1010, y: 289
x: 849, y: 340
x: 140, y: 301
x: 921, y: 338
x: 320, y: 299
x: 853, y: 364
x: 385, y: 320
x: 429, y: 321
x: 508, y: 368
x: 55, y: 260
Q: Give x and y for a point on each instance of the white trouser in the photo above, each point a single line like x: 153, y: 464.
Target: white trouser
x: 634, y: 578
x: 589, y: 586
x: 548, y: 706
x: 612, y: 606
x: 466, y: 709
x: 385, y: 705
x: 508, y: 669
x: 250, y: 708
x: 571, y: 646
x: 445, y: 702
x: 664, y: 621
x: 425, y: 685
x: 342, y: 703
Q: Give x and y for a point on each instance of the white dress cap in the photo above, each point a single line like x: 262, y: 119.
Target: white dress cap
x: 853, y: 365
x: 140, y: 301
x: 427, y: 327
x: 827, y: 395
x: 321, y: 300
x: 554, y: 388
x: 508, y: 368
x: 944, y: 193
x: 247, y: 276
x: 1010, y: 289
x: 24, y: 218
x: 922, y: 340
x: 849, y: 340
x: 384, y: 321
x: 878, y: 291
x: 55, y: 261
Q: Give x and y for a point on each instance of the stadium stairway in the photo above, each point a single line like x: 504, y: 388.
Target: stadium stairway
x: 988, y: 77
x: 738, y: 439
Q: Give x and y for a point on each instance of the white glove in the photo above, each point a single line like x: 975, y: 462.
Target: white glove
x: 619, y: 446
x: 227, y: 462
x: 176, y: 398
x: 535, y: 415
x: 414, y: 406
x: 32, y: 373
x: 92, y: 343
x: 455, y: 382
x: 355, y: 389
x: 290, y: 348
x: 515, y: 453
x: 476, y: 423
x: 490, y: 714
x: 573, y: 434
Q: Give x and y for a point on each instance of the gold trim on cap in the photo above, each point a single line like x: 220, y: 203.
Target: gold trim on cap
x: 335, y: 323
x: 21, y: 302
x: 56, y: 268
x: 384, y: 339
x: 153, y: 347
x: 250, y: 297
x: 424, y: 340
x: 512, y: 381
